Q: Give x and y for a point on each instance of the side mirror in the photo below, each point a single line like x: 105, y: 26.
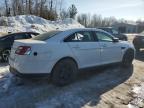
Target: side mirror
x: 115, y: 40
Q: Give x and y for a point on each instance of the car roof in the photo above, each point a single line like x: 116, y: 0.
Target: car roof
x: 105, y: 27
x: 68, y: 32
x: 18, y: 33
x: 83, y: 29
x: 23, y: 33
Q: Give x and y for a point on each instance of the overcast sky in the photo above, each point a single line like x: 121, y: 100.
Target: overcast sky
x: 127, y: 9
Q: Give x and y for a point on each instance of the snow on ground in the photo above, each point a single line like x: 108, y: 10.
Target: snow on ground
x: 42, y: 94
x: 101, y: 88
x: 36, y: 24
x: 104, y: 88
x: 5, y: 77
x: 138, y: 94
x: 86, y: 92
x: 3, y: 71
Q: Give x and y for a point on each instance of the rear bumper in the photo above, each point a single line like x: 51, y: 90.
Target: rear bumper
x: 30, y: 75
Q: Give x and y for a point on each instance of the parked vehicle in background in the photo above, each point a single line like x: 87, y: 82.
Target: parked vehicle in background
x: 115, y: 33
x: 62, y: 53
x: 139, y: 41
x: 6, y: 42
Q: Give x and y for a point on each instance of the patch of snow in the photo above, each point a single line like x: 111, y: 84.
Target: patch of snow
x: 33, y: 23
x: 5, y: 76
x: 3, y: 71
x: 138, y: 94
x: 59, y: 101
x: 7, y: 83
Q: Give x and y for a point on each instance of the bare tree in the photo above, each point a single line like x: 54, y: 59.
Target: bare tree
x: 7, y: 8
x: 30, y: 6
x: 48, y: 9
x: 72, y: 11
x: 64, y: 14
x: 95, y: 20
x: 84, y: 19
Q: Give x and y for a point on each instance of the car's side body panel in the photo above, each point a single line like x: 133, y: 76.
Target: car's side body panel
x: 49, y: 52
x: 88, y: 53
x: 110, y: 52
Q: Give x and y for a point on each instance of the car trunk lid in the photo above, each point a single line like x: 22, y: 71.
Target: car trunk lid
x: 25, y: 42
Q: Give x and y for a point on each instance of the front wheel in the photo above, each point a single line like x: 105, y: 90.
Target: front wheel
x: 128, y: 58
x: 137, y: 49
x: 64, y: 72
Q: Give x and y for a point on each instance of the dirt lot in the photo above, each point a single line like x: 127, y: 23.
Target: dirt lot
x: 107, y: 87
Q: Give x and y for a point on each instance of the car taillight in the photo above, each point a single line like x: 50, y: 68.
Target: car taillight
x: 23, y: 50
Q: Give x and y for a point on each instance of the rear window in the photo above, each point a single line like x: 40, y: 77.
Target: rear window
x: 46, y: 36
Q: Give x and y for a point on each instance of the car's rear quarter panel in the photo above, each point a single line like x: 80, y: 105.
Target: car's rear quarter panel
x: 47, y: 56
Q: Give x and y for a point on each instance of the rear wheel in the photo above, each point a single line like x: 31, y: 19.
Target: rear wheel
x: 128, y: 58
x: 64, y: 72
x: 5, y: 55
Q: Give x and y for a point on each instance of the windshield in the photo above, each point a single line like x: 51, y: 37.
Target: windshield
x: 115, y: 31
x: 142, y: 33
x: 46, y: 36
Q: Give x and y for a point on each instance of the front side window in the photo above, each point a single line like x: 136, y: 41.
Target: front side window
x: 101, y: 36
x: 83, y: 36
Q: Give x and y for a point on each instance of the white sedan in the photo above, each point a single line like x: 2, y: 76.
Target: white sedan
x: 62, y: 53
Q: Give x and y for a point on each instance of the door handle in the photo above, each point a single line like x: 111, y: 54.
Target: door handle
x: 76, y: 46
x: 123, y: 48
x: 104, y: 45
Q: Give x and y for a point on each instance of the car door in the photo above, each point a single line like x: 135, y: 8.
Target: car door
x: 110, y: 51
x: 85, y: 48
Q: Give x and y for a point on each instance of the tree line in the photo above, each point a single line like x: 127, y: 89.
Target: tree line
x: 97, y: 20
x: 53, y: 10
x: 48, y: 9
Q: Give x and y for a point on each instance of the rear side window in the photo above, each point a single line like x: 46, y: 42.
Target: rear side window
x: 27, y: 36
x: 19, y: 36
x: 46, y: 36
x: 83, y: 36
x: 32, y: 35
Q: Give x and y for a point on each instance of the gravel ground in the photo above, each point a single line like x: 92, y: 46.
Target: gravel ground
x: 105, y: 87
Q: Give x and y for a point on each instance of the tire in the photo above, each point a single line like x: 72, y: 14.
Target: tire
x: 137, y: 49
x: 5, y: 55
x: 64, y: 72
x: 128, y: 58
